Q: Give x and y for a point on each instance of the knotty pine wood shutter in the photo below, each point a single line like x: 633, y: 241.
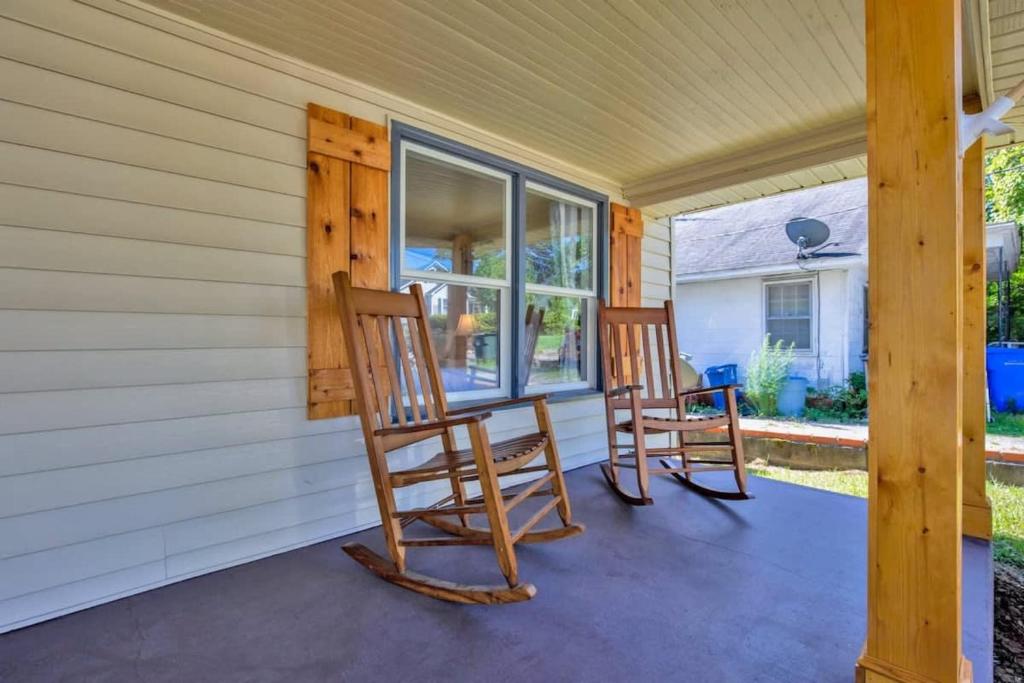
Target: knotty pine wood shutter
x: 348, y: 161
x: 627, y: 231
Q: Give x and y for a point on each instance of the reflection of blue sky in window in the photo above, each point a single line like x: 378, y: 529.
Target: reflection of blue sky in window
x: 421, y: 258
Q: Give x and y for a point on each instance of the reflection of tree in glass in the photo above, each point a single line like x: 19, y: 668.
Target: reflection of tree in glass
x: 564, y: 263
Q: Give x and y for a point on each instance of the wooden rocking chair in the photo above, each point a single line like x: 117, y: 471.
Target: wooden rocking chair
x: 638, y: 380
x: 401, y: 400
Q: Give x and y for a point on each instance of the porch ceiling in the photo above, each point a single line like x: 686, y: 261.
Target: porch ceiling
x: 769, y: 95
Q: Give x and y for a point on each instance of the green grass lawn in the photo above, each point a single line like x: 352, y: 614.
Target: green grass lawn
x: 1007, y: 503
x: 1006, y: 424
x: 549, y: 342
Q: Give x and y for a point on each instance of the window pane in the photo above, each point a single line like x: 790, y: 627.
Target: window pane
x: 455, y: 218
x: 789, y: 300
x: 555, y: 348
x: 791, y: 330
x: 465, y: 325
x: 559, y: 242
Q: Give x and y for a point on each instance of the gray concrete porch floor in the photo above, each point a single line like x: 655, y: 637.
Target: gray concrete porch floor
x: 689, y: 589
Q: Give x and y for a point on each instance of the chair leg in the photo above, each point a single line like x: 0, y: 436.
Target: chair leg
x: 386, y: 503
x: 736, y: 441
x: 493, y: 501
x: 613, y: 453
x: 554, y: 462
x: 643, y: 480
x: 684, y: 455
x: 458, y: 487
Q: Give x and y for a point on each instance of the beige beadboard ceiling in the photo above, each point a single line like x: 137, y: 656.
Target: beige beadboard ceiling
x: 763, y: 95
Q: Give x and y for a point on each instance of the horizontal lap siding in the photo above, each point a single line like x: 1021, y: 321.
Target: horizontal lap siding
x: 152, y: 303
x: 656, y: 262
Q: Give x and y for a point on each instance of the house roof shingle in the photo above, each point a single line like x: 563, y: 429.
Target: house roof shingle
x: 753, y: 233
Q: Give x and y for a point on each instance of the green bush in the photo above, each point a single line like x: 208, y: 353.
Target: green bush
x: 487, y: 322
x: 766, y: 373
x: 847, y: 402
x: 438, y: 323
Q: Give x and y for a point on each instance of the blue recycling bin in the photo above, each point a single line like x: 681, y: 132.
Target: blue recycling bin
x: 718, y: 375
x: 1005, y: 378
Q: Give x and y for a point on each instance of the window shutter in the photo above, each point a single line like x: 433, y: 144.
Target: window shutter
x: 347, y: 166
x: 627, y: 231
x: 626, y: 234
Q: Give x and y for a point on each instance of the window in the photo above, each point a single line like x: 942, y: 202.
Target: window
x: 789, y: 313
x: 561, y: 288
x: 510, y: 265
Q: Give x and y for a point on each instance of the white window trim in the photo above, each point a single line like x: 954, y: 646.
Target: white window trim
x: 506, y: 178
x: 504, y: 286
x: 813, y: 282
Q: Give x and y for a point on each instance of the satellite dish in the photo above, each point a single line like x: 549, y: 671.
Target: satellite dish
x: 806, y: 233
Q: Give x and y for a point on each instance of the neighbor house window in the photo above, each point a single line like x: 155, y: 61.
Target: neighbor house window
x: 498, y: 249
x: 789, y: 313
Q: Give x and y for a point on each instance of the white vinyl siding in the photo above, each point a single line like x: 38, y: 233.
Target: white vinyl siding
x: 152, y: 301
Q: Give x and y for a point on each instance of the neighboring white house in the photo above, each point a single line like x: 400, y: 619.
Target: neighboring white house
x: 738, y: 277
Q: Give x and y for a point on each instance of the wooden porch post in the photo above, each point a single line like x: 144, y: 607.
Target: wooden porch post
x: 916, y: 264
x: 977, y: 513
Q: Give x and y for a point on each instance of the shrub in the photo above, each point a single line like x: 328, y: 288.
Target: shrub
x: 438, y: 323
x: 844, y: 403
x: 766, y: 373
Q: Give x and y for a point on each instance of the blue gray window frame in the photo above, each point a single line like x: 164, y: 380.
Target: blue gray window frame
x: 520, y: 174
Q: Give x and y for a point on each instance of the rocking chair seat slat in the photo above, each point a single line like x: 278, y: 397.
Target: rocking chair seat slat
x: 512, y: 451
x: 669, y: 424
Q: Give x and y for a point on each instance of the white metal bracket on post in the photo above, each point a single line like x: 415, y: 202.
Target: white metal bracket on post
x: 989, y: 120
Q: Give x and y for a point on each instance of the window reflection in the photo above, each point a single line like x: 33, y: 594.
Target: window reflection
x: 465, y: 326
x: 556, y: 339
x: 455, y: 218
x: 559, y: 241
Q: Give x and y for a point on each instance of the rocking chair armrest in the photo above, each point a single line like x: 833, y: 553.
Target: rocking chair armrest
x: 709, y: 390
x: 532, y: 398
x: 435, y: 424
x: 625, y: 389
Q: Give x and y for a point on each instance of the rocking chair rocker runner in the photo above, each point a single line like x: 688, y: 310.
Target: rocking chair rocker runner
x: 638, y: 380
x: 401, y: 400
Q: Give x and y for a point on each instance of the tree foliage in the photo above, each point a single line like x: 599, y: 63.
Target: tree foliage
x: 1004, y: 201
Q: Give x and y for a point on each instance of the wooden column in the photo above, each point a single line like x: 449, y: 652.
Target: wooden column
x: 977, y: 514
x: 458, y: 303
x: 916, y: 343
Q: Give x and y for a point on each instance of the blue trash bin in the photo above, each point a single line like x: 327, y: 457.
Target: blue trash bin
x: 718, y: 375
x: 1005, y: 378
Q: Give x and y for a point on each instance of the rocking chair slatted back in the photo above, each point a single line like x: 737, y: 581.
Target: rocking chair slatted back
x: 639, y: 348
x: 395, y: 371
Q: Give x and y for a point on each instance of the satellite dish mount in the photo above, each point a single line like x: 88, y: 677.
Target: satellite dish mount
x: 807, y: 234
